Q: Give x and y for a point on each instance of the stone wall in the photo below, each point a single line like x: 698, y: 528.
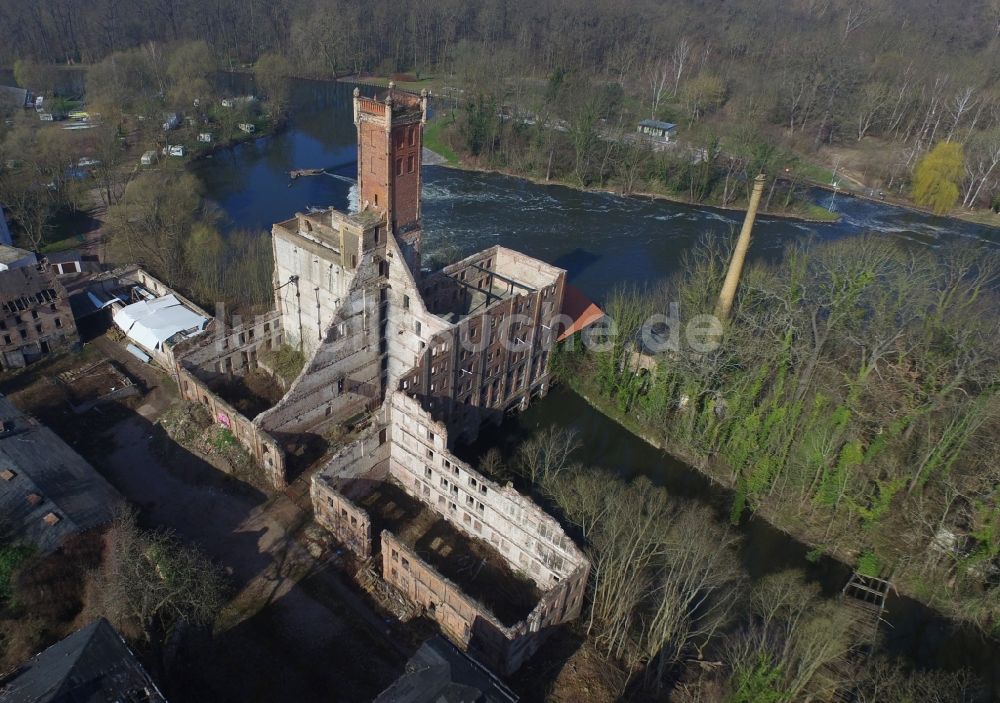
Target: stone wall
x: 261, y: 446
x: 531, y: 541
x: 467, y: 622
x: 232, y: 350
x: 342, y: 378
x: 407, y: 445
x: 349, y: 524
x: 315, y: 262
x: 495, y: 357
x: 410, y: 324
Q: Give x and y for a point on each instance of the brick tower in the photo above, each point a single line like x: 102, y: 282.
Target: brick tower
x: 390, y: 143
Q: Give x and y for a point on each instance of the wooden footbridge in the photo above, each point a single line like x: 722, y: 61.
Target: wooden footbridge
x: 864, y: 598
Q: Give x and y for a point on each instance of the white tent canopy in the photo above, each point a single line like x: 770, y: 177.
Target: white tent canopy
x: 150, y: 323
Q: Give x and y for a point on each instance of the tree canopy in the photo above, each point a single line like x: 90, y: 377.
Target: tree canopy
x: 937, y: 177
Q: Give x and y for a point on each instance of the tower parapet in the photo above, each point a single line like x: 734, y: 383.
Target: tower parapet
x: 390, y: 144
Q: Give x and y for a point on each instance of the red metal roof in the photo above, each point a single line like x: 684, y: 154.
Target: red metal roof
x: 579, y: 308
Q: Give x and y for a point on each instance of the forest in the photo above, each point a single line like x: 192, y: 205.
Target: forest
x: 852, y: 400
x: 672, y: 613
x: 866, y: 87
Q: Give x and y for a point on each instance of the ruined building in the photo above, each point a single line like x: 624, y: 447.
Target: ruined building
x: 35, y: 316
x: 399, y: 365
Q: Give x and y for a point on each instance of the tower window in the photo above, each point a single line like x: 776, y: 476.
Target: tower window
x: 409, y: 164
x: 399, y: 167
x: 413, y: 136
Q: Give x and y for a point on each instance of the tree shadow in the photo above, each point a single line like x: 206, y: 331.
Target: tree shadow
x: 535, y: 680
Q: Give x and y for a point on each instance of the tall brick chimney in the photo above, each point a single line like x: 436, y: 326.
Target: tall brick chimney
x: 390, y: 142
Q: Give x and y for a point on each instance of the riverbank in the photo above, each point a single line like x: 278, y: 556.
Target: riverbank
x: 810, y: 536
x: 434, y: 140
x: 978, y: 217
x: 648, y: 195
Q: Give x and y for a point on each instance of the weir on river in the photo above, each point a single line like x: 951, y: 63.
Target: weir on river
x: 603, y: 241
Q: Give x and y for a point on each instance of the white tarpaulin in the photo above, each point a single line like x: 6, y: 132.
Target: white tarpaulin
x: 150, y: 323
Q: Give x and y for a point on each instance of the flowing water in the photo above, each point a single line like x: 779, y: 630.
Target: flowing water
x: 601, y: 240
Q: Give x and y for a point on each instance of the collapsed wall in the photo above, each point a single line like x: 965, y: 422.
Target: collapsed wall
x: 262, y: 447
x: 410, y: 449
x: 341, y: 380
x: 206, y: 360
x: 501, y: 309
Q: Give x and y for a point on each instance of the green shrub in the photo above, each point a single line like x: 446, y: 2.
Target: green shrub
x: 869, y: 564
x: 12, y: 556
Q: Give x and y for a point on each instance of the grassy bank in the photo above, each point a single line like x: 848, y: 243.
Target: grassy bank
x: 442, y: 136
x: 815, y: 441
x: 433, y: 140
x: 797, y: 528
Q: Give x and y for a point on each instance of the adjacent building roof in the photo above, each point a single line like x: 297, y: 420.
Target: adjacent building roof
x: 93, y: 665
x: 150, y: 323
x: 580, y: 309
x: 5, y: 237
x: 11, y: 96
x: 440, y: 673
x: 98, y: 296
x: 26, y: 286
x: 11, y: 257
x: 47, y: 491
x: 64, y: 257
x: 656, y: 124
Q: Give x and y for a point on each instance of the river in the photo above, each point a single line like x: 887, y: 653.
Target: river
x: 602, y: 240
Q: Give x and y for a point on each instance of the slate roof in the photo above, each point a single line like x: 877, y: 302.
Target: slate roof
x: 440, y: 673
x: 11, y: 96
x: 9, y: 254
x: 64, y: 257
x: 93, y: 665
x: 47, y: 491
x: 656, y: 124
x: 27, y: 286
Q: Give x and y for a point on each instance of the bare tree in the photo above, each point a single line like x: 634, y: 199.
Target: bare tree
x: 152, y: 581
x: 544, y: 456
x: 981, y: 163
x: 859, y: 14
x: 875, y: 98
x: 963, y: 101
x: 678, y: 60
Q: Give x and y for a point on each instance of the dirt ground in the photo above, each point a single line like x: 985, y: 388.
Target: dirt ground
x: 252, y: 393
x: 281, y: 637
x: 296, y: 628
x: 271, y: 623
x: 471, y: 563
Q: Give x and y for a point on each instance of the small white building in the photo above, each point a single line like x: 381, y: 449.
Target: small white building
x: 205, y: 138
x: 239, y: 100
x: 248, y: 127
x: 654, y: 129
x: 148, y: 158
x: 176, y: 150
